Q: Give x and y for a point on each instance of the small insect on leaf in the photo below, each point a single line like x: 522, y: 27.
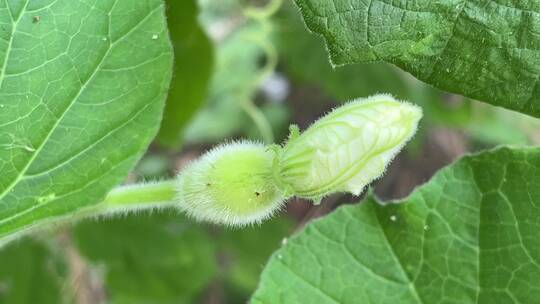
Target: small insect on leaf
x: 346, y: 149
x: 231, y: 184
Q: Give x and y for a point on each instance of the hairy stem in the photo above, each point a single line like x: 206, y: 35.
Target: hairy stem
x: 137, y: 197
x: 121, y: 200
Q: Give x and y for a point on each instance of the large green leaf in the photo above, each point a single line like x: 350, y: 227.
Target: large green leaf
x: 162, y: 258
x: 470, y: 235
x: 194, y: 60
x: 82, y: 87
x: 488, y: 50
x: 350, y: 81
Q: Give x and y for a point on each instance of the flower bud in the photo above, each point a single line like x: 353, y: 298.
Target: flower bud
x: 231, y: 184
x: 346, y: 149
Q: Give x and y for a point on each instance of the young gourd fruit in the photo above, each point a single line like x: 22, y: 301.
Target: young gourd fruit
x: 244, y: 182
x: 231, y: 184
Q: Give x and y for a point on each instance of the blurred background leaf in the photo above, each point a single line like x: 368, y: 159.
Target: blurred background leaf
x: 238, y: 65
x: 161, y: 258
x: 166, y: 258
x: 194, y: 59
x: 31, y: 272
x: 246, y: 57
x: 245, y: 252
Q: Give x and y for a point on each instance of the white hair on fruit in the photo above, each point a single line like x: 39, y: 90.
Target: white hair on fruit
x: 231, y: 184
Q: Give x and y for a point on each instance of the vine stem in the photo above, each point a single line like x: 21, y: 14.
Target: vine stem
x: 260, y: 120
x: 121, y: 200
x: 248, y: 106
x: 137, y: 197
x: 261, y: 17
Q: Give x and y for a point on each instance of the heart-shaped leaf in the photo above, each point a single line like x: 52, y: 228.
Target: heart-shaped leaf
x: 82, y: 89
x: 470, y: 235
x: 487, y: 50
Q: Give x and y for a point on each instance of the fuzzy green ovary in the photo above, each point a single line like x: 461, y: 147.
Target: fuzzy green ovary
x: 242, y: 182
